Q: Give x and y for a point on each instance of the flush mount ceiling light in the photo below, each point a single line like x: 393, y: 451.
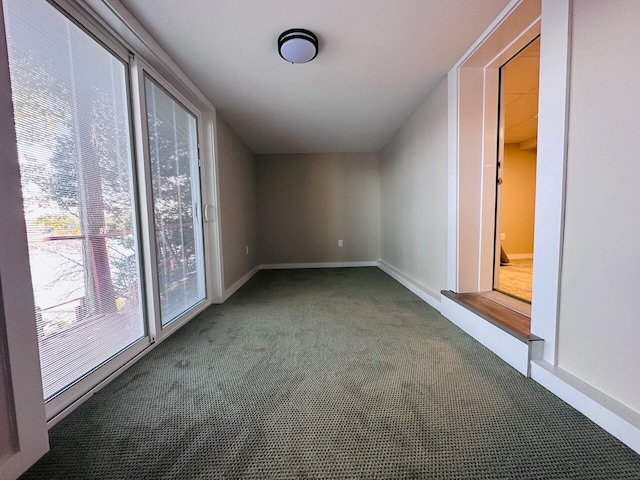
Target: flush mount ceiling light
x: 298, y: 45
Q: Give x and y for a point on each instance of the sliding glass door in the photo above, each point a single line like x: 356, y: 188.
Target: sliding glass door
x: 175, y: 179
x: 115, y: 235
x: 73, y: 127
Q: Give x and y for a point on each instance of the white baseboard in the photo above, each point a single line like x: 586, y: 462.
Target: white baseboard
x: 510, y: 349
x: 519, y: 256
x: 233, y: 288
x: 614, y: 417
x: 286, y: 266
x: 425, y: 293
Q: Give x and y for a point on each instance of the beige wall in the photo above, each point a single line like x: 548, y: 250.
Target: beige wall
x: 306, y: 203
x: 414, y: 195
x: 517, y: 211
x: 237, y: 178
x: 599, y: 310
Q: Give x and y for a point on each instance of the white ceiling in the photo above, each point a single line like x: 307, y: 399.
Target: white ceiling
x: 377, y: 62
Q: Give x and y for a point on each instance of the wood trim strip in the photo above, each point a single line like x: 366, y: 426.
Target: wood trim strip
x: 515, y: 324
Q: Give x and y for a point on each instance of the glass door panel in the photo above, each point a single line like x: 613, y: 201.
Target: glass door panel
x: 173, y: 147
x: 73, y: 128
x: 516, y: 182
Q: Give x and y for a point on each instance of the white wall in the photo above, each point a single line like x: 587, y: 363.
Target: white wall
x: 414, y: 195
x: 599, y: 326
x: 307, y: 202
x: 237, y: 178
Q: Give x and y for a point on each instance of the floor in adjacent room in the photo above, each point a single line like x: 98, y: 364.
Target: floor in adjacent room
x: 332, y: 373
x: 516, y: 278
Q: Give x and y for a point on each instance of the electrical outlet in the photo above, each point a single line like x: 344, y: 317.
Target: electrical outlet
x: 503, y: 236
x: 246, y: 249
x: 340, y: 243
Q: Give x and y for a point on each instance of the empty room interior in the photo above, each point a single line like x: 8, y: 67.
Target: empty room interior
x: 337, y: 239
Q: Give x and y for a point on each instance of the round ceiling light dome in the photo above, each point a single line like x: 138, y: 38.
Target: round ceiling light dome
x: 298, y: 45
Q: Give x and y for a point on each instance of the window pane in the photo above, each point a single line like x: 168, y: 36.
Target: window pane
x: 73, y: 130
x: 173, y: 146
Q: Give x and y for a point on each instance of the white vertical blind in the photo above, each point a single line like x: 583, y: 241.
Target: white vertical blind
x: 73, y: 130
x: 173, y: 147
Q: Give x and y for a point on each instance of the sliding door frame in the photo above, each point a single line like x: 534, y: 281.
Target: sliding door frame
x: 139, y: 70
x: 81, y: 389
x: 114, y: 28
x: 20, y: 364
x: 113, y: 17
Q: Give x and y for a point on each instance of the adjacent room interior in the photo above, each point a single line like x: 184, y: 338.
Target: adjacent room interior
x: 516, y: 183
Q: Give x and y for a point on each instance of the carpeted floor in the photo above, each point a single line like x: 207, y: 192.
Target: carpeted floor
x: 327, y: 374
x: 516, y: 279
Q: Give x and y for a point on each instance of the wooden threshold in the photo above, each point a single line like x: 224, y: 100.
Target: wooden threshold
x: 506, y: 319
x: 515, y: 304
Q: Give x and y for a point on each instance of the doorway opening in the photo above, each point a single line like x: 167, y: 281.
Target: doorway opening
x: 516, y: 173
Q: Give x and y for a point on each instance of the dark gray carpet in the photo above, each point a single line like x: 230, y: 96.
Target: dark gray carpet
x: 327, y: 374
